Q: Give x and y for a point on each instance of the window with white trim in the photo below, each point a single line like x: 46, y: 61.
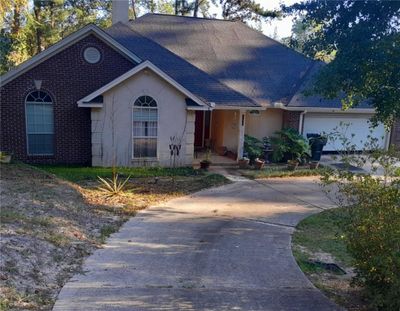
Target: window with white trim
x: 39, y: 123
x: 145, y: 124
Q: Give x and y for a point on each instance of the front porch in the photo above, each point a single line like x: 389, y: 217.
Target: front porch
x: 221, y: 132
x: 216, y: 160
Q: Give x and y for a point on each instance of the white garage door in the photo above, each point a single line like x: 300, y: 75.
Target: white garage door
x: 359, y: 126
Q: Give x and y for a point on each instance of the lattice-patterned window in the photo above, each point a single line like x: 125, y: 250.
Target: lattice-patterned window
x: 39, y: 123
x: 145, y: 124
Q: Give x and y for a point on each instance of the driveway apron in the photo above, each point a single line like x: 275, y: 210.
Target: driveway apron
x: 226, y: 248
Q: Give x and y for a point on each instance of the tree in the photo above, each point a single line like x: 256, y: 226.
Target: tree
x: 30, y: 27
x: 362, y: 41
x: 244, y: 10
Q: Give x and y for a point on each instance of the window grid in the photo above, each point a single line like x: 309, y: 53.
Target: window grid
x: 39, y: 123
x: 145, y: 128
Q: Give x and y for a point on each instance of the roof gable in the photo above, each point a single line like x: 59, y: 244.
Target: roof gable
x: 95, y: 99
x: 62, y: 45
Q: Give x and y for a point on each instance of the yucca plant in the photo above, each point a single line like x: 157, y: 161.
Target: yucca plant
x: 112, y: 186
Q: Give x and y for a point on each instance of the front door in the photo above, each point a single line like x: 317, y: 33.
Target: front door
x: 199, y: 129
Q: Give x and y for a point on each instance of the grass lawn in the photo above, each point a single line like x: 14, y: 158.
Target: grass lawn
x: 49, y: 225
x: 319, y: 239
x: 279, y: 171
x: 80, y: 173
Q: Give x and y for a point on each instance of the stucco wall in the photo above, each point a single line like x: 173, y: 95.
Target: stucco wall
x: 266, y: 123
x: 173, y: 120
x: 225, y: 129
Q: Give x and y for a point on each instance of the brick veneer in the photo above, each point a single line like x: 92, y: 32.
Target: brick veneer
x: 67, y: 78
x: 291, y: 119
x: 395, y: 137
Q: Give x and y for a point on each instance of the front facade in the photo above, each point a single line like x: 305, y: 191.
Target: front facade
x: 126, y: 98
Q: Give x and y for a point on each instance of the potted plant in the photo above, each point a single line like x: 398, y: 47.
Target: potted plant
x: 317, y: 143
x: 259, y: 164
x: 289, y: 145
x: 205, y: 163
x: 253, y: 148
x: 5, y: 157
x: 243, y: 162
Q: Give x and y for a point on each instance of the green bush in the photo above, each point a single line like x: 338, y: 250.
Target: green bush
x: 288, y: 144
x: 253, y: 147
x: 373, y: 239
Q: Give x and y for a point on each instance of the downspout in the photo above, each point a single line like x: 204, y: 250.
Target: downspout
x: 301, y: 122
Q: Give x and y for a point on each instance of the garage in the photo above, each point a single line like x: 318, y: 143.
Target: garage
x: 358, y: 125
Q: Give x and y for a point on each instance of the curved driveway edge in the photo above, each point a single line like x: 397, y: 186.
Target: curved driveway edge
x: 226, y: 248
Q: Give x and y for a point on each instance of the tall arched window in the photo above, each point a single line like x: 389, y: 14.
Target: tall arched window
x: 39, y: 123
x: 145, y: 123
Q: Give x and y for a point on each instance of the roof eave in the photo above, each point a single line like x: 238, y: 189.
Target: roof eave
x: 144, y: 65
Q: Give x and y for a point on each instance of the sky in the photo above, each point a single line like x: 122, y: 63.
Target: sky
x: 283, y: 26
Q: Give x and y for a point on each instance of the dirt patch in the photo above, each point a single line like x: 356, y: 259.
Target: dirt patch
x: 49, y: 226
x: 337, y: 286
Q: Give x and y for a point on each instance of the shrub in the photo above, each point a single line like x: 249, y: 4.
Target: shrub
x: 372, y: 235
x: 372, y: 227
x: 288, y: 144
x: 253, y: 147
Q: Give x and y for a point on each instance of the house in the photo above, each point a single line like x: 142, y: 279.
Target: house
x: 153, y: 90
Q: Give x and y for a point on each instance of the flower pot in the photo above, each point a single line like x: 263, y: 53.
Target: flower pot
x: 222, y: 150
x: 5, y: 158
x: 204, y: 165
x: 292, y: 165
x: 243, y: 163
x: 259, y: 164
x: 314, y: 165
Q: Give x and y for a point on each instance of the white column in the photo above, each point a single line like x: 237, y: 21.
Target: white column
x: 242, y: 124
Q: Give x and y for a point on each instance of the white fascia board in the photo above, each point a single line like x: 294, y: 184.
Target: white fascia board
x: 325, y: 109
x: 223, y: 107
x: 62, y: 45
x: 144, y: 65
x: 201, y: 108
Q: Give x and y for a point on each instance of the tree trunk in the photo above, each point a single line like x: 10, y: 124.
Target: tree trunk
x: 176, y: 6
x: 38, y: 31
x: 134, y: 9
x: 196, y: 8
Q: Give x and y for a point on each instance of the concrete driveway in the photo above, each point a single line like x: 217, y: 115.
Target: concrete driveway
x: 226, y: 248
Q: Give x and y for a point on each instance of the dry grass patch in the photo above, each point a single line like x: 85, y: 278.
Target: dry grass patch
x: 48, y: 226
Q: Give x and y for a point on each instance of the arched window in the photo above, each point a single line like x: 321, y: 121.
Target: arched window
x: 145, y: 123
x: 39, y: 123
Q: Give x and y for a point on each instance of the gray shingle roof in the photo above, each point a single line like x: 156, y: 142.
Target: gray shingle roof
x: 192, y: 78
x: 231, y: 52
x: 299, y: 100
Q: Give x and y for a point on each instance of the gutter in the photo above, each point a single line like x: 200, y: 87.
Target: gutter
x: 323, y: 109
x: 301, y: 121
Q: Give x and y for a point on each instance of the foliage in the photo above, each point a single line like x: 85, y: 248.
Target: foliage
x: 112, y: 186
x: 372, y: 224
x: 244, y: 10
x: 253, y: 147
x: 324, y: 232
x: 30, y: 27
x: 282, y: 171
x: 289, y: 144
x: 362, y: 37
x: 81, y: 173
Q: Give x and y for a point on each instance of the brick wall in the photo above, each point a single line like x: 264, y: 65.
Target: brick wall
x: 395, y: 137
x: 67, y: 78
x: 291, y: 119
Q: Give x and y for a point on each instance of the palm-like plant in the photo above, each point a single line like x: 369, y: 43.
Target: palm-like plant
x: 112, y: 186
x: 290, y: 145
